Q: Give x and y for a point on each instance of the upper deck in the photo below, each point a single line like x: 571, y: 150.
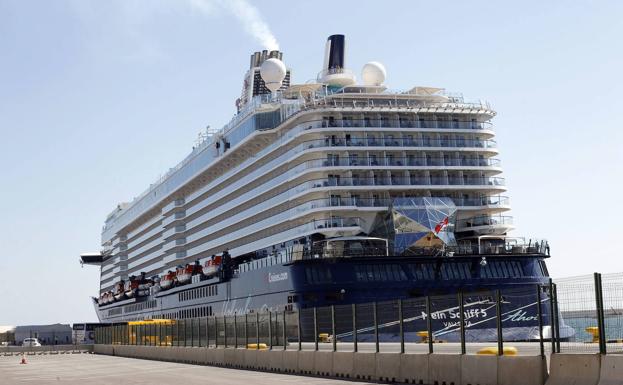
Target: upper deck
x: 268, y: 112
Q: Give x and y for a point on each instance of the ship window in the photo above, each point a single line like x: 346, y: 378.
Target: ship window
x: 317, y: 274
x: 369, y: 273
x: 398, y: 273
x: 484, y: 271
x: 517, y: 271
x: 360, y: 274
x: 447, y: 271
x: 543, y: 269
x: 504, y: 266
x: 381, y: 272
x: 422, y: 271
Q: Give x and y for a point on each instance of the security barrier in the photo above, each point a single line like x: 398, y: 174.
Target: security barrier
x: 448, y: 369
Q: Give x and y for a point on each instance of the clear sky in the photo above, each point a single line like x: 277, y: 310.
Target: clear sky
x: 98, y: 98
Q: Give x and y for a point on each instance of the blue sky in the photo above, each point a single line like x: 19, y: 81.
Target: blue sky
x: 98, y: 98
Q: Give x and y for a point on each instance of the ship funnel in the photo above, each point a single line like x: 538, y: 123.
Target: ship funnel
x: 334, y: 52
x: 333, y: 71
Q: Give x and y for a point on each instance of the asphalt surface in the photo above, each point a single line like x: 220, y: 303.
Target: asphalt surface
x: 92, y: 369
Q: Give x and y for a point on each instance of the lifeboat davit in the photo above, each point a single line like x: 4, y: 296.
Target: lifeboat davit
x: 166, y: 282
x: 212, y: 266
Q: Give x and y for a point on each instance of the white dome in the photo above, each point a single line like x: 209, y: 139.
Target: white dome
x: 273, y: 71
x: 373, y: 74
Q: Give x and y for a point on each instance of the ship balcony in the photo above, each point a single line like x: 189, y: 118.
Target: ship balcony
x: 175, y: 217
x: 175, y: 243
x: 400, y: 161
x: 178, y: 255
x: 392, y: 123
x: 496, y: 203
x: 376, y: 204
x: 486, y: 224
x: 121, y: 259
x: 177, y: 203
x: 174, y: 231
x: 402, y: 142
x: 383, y: 183
x: 430, y: 181
x: 334, y: 226
x: 119, y: 248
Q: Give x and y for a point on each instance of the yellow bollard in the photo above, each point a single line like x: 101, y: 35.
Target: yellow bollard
x: 323, y: 337
x: 255, y: 346
x: 493, y: 351
x: 594, y: 331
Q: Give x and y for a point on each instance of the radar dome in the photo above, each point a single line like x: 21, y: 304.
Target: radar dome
x: 273, y: 71
x: 373, y: 74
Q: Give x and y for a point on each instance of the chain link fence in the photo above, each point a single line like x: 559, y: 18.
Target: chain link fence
x: 591, y: 313
x: 467, y: 322
x: 579, y: 314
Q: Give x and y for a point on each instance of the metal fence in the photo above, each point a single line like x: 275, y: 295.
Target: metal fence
x: 510, y: 321
x: 591, y: 309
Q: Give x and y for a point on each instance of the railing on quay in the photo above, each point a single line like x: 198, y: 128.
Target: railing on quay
x: 425, y: 324
x: 466, y: 322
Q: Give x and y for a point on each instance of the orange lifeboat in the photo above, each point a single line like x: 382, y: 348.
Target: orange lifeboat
x: 184, y: 274
x: 119, y: 291
x: 167, y: 280
x: 131, y: 287
x: 212, y: 266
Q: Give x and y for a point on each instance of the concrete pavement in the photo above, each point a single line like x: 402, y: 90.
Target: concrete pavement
x: 81, y: 369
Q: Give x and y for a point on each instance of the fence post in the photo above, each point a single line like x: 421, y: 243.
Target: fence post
x: 557, y: 318
x: 498, y: 321
x: 192, y: 332
x: 215, y: 332
x: 376, y: 327
x: 235, y: 330
x: 257, y: 330
x: 285, y: 333
x: 270, y: 330
x: 333, y: 328
x: 429, y: 324
x: 402, y: 327
x: 599, y: 306
x: 298, y: 328
x: 552, y: 318
x: 225, y: 330
x: 540, y: 315
x: 246, y: 330
x: 315, y: 328
x: 354, y: 328
x: 462, y: 321
x: 207, y: 332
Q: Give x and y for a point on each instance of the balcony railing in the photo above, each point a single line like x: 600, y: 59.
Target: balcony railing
x: 340, y: 201
x: 413, y: 180
x: 484, y: 220
x: 398, y: 123
x: 400, y: 142
x: 396, y: 161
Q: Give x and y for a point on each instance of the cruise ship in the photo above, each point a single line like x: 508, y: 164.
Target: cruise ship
x: 328, y: 192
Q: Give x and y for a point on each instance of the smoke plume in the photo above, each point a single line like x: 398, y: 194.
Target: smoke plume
x: 247, y: 15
